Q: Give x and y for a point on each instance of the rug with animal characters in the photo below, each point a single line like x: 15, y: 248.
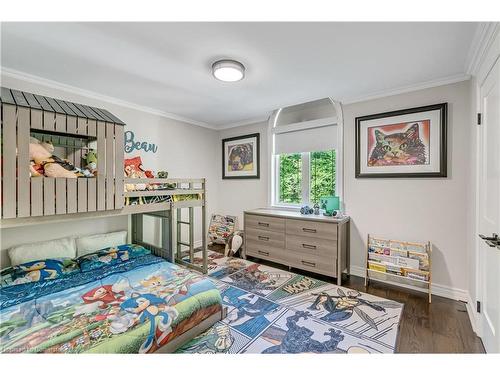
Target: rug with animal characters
x: 276, y: 311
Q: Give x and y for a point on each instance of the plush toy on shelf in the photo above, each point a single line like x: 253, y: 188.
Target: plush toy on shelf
x: 44, y: 163
x: 91, y: 160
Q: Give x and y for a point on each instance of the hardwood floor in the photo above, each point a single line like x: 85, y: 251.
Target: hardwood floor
x: 440, y: 327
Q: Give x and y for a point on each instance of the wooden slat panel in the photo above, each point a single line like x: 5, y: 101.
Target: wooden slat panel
x: 6, y: 96
x: 71, y: 125
x: 82, y: 195
x: 72, y: 129
x: 19, y: 98
x: 23, y: 162
x: 37, y: 196
x: 92, y: 127
x: 60, y: 123
x: 49, y: 121
x: 110, y: 166
x: 73, y: 107
x: 43, y: 103
x: 65, y: 107
x: 82, y: 126
x: 60, y: 196
x: 71, y: 199
x: 9, y: 161
x: 49, y: 195
x: 119, y: 173
x: 101, y: 166
x: 33, y: 103
x: 36, y: 119
x: 91, y: 194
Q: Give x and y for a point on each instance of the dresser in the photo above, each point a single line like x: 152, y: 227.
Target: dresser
x: 314, y: 243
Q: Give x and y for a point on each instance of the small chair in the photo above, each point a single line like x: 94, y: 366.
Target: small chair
x: 222, y: 230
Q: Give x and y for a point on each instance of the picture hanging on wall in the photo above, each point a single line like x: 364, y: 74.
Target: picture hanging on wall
x: 405, y: 143
x: 240, y: 157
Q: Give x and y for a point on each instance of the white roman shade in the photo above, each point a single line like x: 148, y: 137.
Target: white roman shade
x: 306, y: 127
x: 312, y: 139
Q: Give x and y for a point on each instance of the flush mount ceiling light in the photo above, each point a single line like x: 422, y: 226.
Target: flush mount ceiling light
x: 228, y: 70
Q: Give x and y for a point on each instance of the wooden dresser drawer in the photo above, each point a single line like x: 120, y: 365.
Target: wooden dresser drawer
x: 265, y: 237
x: 263, y: 251
x: 274, y: 224
x: 313, y: 263
x: 310, y: 245
x: 311, y: 228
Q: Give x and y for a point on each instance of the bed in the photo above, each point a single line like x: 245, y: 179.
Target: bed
x: 121, y: 299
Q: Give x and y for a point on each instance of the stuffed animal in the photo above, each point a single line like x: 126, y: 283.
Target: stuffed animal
x: 91, y: 160
x: 53, y: 166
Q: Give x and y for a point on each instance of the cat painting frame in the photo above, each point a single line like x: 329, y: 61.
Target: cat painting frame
x: 405, y: 143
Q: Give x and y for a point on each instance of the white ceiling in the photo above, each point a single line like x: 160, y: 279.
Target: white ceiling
x: 166, y: 66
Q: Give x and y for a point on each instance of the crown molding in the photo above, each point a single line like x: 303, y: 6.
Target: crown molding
x: 251, y: 121
x: 483, y: 38
x: 12, y: 73
x: 408, y: 88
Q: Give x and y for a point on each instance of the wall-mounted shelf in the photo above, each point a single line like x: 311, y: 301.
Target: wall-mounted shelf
x: 399, y: 262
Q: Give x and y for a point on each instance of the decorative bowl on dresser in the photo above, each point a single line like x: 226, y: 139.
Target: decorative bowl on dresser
x: 313, y: 243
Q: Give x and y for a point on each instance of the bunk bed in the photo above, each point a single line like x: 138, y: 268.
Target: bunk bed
x: 28, y: 199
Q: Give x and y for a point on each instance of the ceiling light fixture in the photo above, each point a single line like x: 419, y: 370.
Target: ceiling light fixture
x: 228, y: 70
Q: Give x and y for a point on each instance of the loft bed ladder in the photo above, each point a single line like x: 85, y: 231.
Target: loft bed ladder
x: 179, y: 222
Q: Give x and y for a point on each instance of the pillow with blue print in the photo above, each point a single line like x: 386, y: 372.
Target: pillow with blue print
x: 110, y: 256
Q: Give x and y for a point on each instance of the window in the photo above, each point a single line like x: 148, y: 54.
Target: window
x: 302, y: 178
x: 305, y: 153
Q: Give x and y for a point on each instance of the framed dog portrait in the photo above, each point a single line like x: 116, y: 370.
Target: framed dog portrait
x: 406, y: 143
x: 240, y: 157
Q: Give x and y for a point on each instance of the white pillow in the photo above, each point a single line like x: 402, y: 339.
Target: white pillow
x: 60, y: 248
x: 89, y: 244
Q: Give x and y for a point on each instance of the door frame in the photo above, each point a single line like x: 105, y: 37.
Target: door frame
x: 490, y: 58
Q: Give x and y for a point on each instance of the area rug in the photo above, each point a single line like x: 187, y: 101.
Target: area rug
x: 276, y: 311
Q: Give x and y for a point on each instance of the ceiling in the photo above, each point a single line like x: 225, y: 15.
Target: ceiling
x: 166, y: 66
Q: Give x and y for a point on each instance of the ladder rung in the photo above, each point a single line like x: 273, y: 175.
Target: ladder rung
x: 183, y: 222
x: 183, y: 243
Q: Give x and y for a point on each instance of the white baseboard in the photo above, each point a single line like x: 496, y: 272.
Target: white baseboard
x: 436, y: 289
x: 471, y: 311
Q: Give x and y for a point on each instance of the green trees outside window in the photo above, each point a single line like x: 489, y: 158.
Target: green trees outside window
x: 322, y: 175
x: 290, y: 178
x: 321, y: 166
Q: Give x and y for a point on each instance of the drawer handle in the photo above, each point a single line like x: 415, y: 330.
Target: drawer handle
x: 309, y: 230
x: 263, y: 238
x: 310, y: 264
x: 263, y: 224
x: 306, y: 246
x: 266, y: 253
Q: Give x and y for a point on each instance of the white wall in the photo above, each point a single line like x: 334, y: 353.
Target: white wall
x: 235, y: 196
x: 184, y: 150
x: 409, y: 209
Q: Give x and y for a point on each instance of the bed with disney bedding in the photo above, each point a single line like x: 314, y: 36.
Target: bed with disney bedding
x: 117, y: 300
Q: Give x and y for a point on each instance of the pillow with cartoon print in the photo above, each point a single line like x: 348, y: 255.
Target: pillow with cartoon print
x: 38, y: 270
x: 111, y: 255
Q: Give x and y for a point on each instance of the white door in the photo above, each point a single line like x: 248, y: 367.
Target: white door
x: 489, y: 210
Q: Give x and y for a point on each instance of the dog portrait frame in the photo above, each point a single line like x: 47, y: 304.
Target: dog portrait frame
x: 241, y: 157
x: 421, y: 129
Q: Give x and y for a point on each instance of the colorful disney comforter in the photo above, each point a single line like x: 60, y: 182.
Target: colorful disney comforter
x: 135, y: 306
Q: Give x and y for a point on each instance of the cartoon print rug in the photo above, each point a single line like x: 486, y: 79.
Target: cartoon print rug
x: 275, y: 311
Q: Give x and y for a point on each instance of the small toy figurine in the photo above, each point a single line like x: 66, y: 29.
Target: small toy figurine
x: 306, y: 210
x: 316, y: 209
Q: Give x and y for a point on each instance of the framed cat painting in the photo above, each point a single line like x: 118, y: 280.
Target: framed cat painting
x: 405, y: 143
